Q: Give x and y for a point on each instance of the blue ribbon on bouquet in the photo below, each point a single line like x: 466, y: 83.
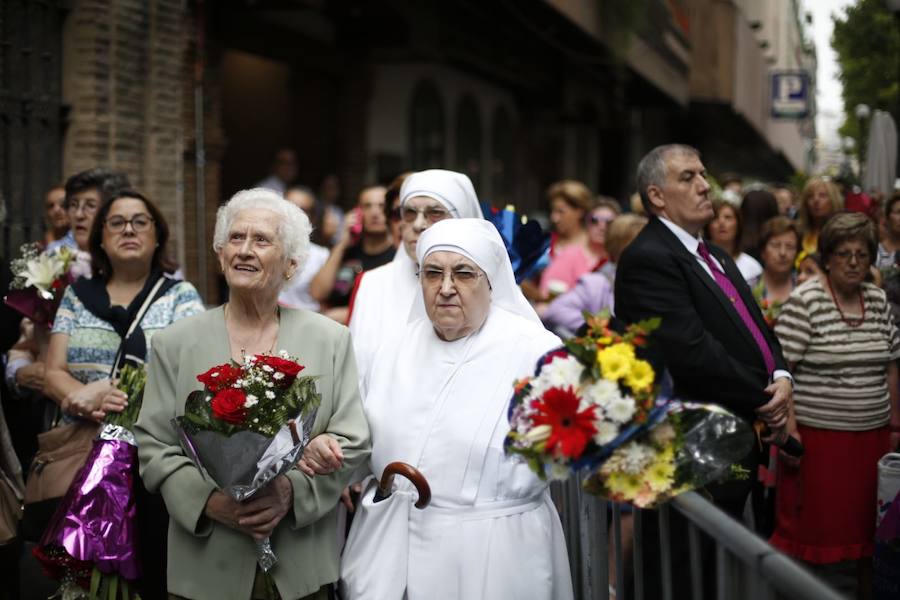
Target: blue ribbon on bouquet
x: 527, y: 244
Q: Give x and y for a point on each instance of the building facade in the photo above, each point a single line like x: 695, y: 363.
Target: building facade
x: 515, y: 94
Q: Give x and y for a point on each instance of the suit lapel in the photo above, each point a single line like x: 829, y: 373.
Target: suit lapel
x: 682, y: 254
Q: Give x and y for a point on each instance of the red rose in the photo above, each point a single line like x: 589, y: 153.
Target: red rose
x: 288, y: 368
x: 228, y: 405
x: 220, y: 377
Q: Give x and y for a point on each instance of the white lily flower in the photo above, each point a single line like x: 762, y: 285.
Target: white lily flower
x: 41, y: 272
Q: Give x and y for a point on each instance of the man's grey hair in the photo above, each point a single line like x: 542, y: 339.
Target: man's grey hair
x: 652, y: 169
x: 294, y: 227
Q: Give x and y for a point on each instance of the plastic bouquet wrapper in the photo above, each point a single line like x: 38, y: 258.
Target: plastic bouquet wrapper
x: 249, y: 425
x: 90, y: 544
x: 527, y: 244
x: 593, y: 409
x: 40, y: 277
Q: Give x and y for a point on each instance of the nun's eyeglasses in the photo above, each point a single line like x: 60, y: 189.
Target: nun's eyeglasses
x: 432, y: 214
x: 461, y: 277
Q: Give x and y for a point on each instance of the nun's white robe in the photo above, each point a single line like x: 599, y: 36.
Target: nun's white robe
x: 381, y: 308
x: 491, y: 530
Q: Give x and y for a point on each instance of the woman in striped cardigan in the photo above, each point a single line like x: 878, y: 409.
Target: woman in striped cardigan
x: 837, y: 333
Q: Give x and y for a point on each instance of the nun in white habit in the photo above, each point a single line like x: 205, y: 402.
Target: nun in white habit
x: 384, y: 296
x: 439, y: 402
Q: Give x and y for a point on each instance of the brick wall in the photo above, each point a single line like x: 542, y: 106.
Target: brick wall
x: 124, y: 65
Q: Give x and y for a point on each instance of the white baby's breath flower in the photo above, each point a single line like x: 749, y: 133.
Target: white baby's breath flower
x: 278, y: 375
x: 270, y: 394
x: 283, y: 353
x: 267, y: 368
x: 634, y: 457
x: 251, y: 401
x: 621, y: 409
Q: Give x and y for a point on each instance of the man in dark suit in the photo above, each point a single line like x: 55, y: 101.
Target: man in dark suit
x: 713, y: 337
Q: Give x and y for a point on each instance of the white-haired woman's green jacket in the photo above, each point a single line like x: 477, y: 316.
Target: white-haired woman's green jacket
x: 208, y: 559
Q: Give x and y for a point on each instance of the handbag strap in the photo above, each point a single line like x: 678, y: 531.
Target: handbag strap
x: 135, y: 322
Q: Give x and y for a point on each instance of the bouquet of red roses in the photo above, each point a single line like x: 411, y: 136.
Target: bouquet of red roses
x: 242, y: 430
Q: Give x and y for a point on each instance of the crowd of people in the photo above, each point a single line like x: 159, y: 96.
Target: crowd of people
x: 778, y: 304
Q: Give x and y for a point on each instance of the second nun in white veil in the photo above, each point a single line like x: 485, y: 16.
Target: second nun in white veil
x: 384, y: 295
x: 439, y: 402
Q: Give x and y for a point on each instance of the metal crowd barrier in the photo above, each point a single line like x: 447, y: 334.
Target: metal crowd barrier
x: 747, y: 568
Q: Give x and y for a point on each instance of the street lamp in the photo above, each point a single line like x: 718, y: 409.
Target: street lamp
x: 846, y: 171
x: 862, y: 112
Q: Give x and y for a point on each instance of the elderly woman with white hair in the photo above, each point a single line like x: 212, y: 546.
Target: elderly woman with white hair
x: 438, y: 402
x: 261, y: 241
x: 385, y: 295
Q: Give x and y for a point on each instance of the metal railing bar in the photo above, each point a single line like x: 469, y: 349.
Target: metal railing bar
x: 620, y: 561
x: 721, y: 574
x: 793, y: 581
x: 638, y: 555
x: 696, y: 561
x: 598, y: 562
x: 665, y: 543
x: 785, y: 575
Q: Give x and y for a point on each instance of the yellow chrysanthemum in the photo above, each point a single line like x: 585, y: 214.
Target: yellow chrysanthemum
x: 660, y: 476
x: 616, y: 361
x: 623, y: 485
x: 640, y: 377
x: 667, y: 454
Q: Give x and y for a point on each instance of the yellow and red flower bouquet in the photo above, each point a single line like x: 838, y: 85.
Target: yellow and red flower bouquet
x: 594, y: 408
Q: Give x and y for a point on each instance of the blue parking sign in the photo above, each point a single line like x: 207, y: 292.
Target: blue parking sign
x: 790, y: 94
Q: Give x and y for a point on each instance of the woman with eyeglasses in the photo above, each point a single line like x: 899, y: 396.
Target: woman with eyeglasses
x: 439, y: 401
x: 384, y: 296
x: 129, y: 259
x: 839, y: 338
x: 570, y: 263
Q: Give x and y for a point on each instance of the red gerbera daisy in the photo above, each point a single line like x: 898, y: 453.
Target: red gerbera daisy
x: 571, y: 430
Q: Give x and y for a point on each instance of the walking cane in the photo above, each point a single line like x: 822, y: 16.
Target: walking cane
x: 410, y: 472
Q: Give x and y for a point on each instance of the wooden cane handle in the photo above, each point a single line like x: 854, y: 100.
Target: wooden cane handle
x: 411, y: 473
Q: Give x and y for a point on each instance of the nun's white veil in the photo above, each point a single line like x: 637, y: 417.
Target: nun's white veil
x: 479, y: 241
